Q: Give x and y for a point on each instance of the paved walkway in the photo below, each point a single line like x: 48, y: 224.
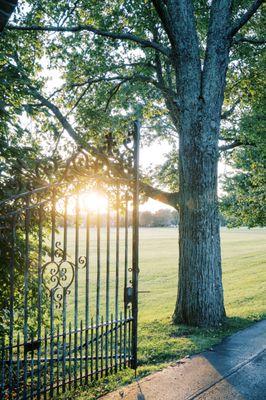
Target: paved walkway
x: 234, y: 369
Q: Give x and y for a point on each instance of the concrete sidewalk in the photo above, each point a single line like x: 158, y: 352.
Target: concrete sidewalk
x: 234, y: 369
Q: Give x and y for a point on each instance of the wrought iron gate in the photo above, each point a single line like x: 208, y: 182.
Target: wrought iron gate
x: 70, y: 304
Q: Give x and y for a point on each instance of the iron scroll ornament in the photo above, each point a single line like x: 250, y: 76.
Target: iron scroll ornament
x: 57, y: 277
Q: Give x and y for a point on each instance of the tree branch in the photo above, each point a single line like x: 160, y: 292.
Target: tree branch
x: 68, y: 13
x: 172, y: 103
x: 89, y: 28
x: 112, y: 93
x: 171, y: 199
x: 164, y: 17
x: 245, y: 17
x: 123, y: 79
x: 230, y: 146
x: 235, y: 143
x: 231, y: 110
x: 252, y: 40
x: 157, y: 194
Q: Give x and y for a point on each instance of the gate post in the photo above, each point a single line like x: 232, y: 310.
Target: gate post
x: 135, y: 249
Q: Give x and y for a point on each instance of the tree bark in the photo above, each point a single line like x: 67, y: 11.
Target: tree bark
x: 200, y: 291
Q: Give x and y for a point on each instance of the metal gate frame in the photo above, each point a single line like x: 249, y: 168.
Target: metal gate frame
x: 49, y: 361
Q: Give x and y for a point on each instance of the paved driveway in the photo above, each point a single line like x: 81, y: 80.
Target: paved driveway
x: 234, y: 369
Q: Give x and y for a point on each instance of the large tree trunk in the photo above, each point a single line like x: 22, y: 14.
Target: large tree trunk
x: 200, y: 291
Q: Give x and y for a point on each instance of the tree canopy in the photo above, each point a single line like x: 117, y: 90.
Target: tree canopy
x: 100, y: 65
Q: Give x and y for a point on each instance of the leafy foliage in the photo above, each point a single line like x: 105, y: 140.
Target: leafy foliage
x: 244, y: 200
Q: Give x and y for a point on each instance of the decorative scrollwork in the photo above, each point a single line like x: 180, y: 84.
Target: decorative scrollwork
x: 57, y: 277
x: 59, y: 252
x: 82, y: 262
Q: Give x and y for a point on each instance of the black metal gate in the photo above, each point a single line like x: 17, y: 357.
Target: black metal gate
x: 69, y: 299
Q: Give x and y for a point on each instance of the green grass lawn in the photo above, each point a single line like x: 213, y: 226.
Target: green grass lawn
x: 160, y: 342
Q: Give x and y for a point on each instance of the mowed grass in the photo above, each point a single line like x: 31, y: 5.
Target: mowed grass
x: 160, y: 342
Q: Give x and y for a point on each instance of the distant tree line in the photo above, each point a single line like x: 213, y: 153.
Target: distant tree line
x: 165, y: 218
x: 159, y: 218
x: 150, y: 219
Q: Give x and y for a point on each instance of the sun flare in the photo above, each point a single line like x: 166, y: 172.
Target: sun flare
x: 90, y: 201
x: 93, y: 201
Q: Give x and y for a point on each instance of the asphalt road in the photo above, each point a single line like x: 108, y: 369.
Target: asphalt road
x: 234, y: 369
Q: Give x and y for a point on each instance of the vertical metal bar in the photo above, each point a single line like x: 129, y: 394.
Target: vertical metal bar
x: 69, y: 356
x: 31, y: 366
x: 45, y: 364
x: 117, y: 253
x: 26, y: 289
x: 129, y: 338
x: 87, y: 295
x: 57, y: 359
x: 135, y: 249
x: 112, y: 353
x: 125, y: 341
x: 101, y: 346
x: 53, y: 225
x: 126, y: 275
x: 126, y: 252
x: 64, y: 342
x: 76, y: 290
x: 53, y: 211
x: 107, y: 288
x: 120, y: 341
x: 117, y: 274
x: 51, y: 342
x: 98, y: 291
x: 65, y: 230
x: 11, y: 305
x: 87, y: 287
x: 18, y: 365
x: 92, y: 350
x: 81, y: 352
x: 39, y: 301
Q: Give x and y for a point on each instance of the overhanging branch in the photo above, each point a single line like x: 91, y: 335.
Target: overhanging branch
x: 251, y: 40
x: 122, y: 79
x: 89, y: 28
x: 171, y: 199
x: 156, y: 194
x: 234, y: 144
x: 245, y: 17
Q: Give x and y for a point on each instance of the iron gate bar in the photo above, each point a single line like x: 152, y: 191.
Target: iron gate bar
x: 40, y: 249
x: 87, y: 291
x: 107, y: 295
x: 135, y: 253
x: 25, y: 328
x: 76, y: 289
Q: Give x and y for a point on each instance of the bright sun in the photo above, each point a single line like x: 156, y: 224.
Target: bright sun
x: 88, y: 201
x: 93, y: 201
